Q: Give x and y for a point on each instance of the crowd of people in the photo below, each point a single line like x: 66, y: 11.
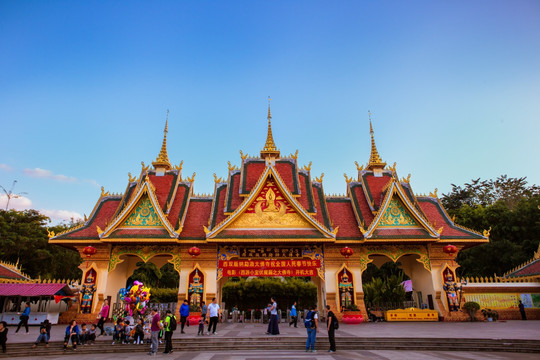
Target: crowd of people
x: 154, y: 330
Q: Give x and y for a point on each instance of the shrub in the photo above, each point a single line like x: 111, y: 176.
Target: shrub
x: 158, y: 295
x: 471, y: 307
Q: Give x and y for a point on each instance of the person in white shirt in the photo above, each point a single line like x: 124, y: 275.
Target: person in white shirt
x: 213, y: 312
x: 273, y: 328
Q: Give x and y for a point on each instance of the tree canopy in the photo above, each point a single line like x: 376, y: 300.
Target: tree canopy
x: 23, y: 238
x: 510, y: 208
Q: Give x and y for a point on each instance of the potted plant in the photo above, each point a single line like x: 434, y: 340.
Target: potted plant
x: 490, y: 315
x: 194, y: 314
x: 471, y: 308
x: 352, y: 315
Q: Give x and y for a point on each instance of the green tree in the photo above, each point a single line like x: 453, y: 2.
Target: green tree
x: 23, y: 238
x: 510, y: 208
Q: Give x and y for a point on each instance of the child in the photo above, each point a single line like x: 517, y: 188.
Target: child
x: 160, y: 335
x: 83, y: 335
x: 3, y: 335
x: 201, y: 326
x: 127, y: 332
x: 139, y: 332
x: 147, y: 332
x: 92, y: 334
x: 118, y: 335
x: 44, y: 333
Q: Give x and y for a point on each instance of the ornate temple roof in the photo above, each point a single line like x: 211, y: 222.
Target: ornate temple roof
x: 268, y: 198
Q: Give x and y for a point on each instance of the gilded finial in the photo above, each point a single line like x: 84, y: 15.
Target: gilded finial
x: 307, y: 167
x: 270, y: 148
x: 162, y: 161
x: 131, y: 178
x: 50, y: 234
x: 359, y: 167
x: 179, y: 166
x: 319, y: 179
x: 192, y: 178
x: 375, y: 161
x: 434, y: 193
x: 216, y: 179
x: 243, y: 156
x: 487, y: 232
x: 347, y: 179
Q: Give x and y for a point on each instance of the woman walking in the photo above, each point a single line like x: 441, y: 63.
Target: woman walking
x: 103, y: 314
x: 273, y: 323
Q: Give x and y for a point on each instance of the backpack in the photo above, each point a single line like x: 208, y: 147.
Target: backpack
x: 172, y: 323
x: 308, y: 322
x: 336, y: 322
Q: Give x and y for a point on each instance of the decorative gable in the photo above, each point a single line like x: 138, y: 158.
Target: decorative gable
x: 396, y: 216
x: 144, y: 215
x: 270, y: 209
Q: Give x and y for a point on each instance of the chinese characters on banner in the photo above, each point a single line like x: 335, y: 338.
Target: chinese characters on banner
x: 503, y: 301
x: 245, y: 268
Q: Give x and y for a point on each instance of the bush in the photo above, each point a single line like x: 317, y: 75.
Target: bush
x: 488, y: 313
x: 471, y: 307
x: 158, y: 295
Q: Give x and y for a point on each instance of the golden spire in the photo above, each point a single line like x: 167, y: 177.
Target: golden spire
x: 270, y: 148
x: 162, y: 161
x: 375, y: 161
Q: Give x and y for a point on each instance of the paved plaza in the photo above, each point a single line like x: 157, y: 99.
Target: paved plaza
x: 527, y: 330
x: 292, y: 355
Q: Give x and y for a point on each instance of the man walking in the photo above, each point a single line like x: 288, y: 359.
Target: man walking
x: 169, y: 326
x: 214, y: 311
x: 331, y: 327
x: 155, y: 328
x: 522, y: 310
x: 24, y: 318
x: 184, y: 314
x: 294, y: 316
x: 312, y: 327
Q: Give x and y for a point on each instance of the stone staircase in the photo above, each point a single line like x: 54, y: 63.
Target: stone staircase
x: 210, y: 343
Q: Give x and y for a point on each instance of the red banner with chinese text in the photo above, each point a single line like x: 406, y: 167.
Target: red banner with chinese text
x: 245, y: 268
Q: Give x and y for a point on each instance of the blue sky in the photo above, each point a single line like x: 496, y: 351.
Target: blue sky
x: 453, y: 87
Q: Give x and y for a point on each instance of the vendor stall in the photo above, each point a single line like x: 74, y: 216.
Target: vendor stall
x: 45, y: 300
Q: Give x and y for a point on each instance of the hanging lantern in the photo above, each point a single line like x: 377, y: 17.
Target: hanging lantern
x: 347, y: 252
x: 450, y: 250
x: 194, y: 252
x: 89, y: 251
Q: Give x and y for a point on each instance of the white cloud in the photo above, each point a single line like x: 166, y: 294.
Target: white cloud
x: 18, y: 203
x: 48, y: 174
x: 5, y: 167
x: 24, y: 203
x: 61, y: 215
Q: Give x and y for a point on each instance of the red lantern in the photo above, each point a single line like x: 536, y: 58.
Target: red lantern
x: 346, y: 251
x: 89, y: 251
x: 450, y: 250
x: 194, y: 252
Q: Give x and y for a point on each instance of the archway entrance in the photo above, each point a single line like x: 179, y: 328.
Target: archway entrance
x: 397, y: 282
x: 259, y: 272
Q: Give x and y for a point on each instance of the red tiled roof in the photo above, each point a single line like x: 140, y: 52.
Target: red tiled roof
x: 434, y: 214
x: 139, y: 232
x: 197, y: 217
x: 342, y: 215
x: 376, y: 185
x: 252, y: 171
x: 363, y: 206
x: 233, y: 193
x: 287, y: 173
x: 296, y: 233
x: 26, y: 289
x: 7, y: 273
x: 104, y: 213
x: 529, y: 269
x: 163, y: 186
x: 178, y: 206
